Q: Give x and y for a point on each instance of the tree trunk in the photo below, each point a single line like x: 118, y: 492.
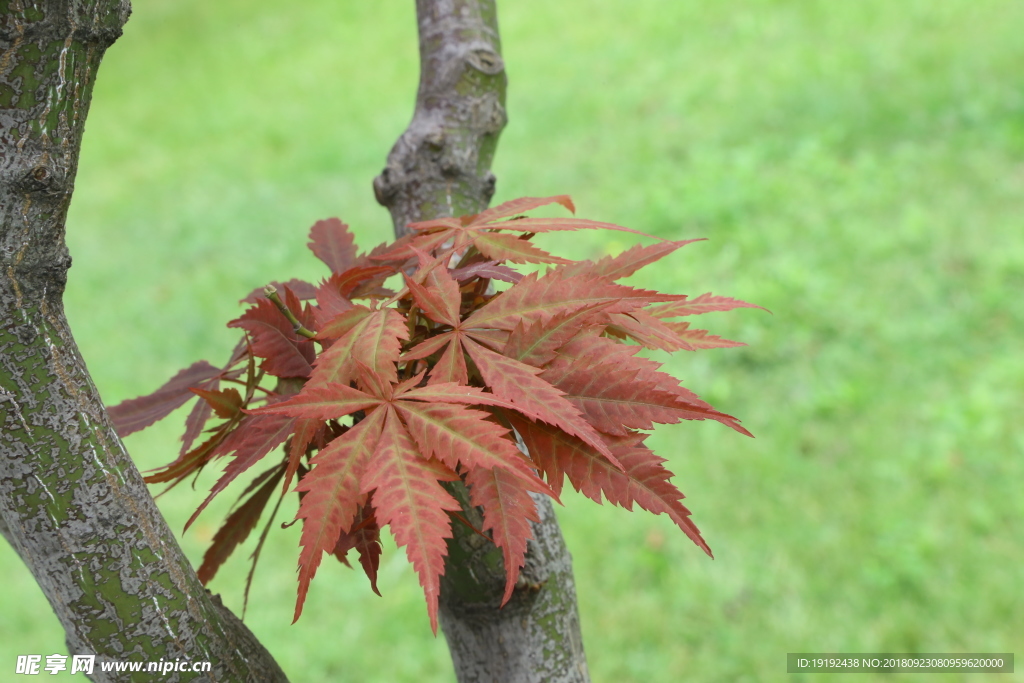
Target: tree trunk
x: 72, y: 503
x: 440, y: 166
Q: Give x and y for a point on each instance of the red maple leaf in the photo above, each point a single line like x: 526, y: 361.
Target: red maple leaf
x: 365, y: 539
x: 274, y: 339
x: 705, y: 303
x: 333, y: 244
x: 239, y: 524
x: 401, y: 398
x: 138, y: 413
x: 508, y: 511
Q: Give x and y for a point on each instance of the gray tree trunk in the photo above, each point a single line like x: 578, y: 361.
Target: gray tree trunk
x: 72, y: 503
x: 440, y: 166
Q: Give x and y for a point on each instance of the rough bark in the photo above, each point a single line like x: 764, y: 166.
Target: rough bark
x: 72, y: 503
x: 440, y: 166
x: 536, y: 636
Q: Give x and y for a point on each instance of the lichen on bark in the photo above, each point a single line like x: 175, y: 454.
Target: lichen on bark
x: 72, y: 503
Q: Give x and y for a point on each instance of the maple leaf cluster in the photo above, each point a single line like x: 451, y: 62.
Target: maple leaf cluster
x: 384, y: 400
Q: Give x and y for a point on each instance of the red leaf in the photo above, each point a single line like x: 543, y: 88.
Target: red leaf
x: 539, y: 298
x: 613, y: 398
x: 455, y: 434
x: 254, y: 437
x: 428, y: 346
x: 189, y: 462
x: 478, y: 228
x: 306, y: 430
x: 562, y: 224
x: 500, y: 247
x: 700, y: 339
x: 536, y: 344
x: 439, y: 285
x: 508, y: 511
x: 226, y: 403
x: 705, y: 303
x: 138, y: 413
x: 407, y: 384
x: 444, y: 222
x: 273, y: 339
x: 614, y: 389
x: 375, y: 341
x: 545, y: 351
x: 647, y: 484
x: 542, y: 447
x: 195, y: 422
x: 380, y: 343
x: 342, y: 323
x: 644, y: 480
x: 517, y: 382
x: 487, y: 270
x: 451, y: 367
x: 518, y: 206
x: 454, y: 393
x: 333, y: 244
x: 365, y: 538
x: 404, y: 248
x: 433, y: 302
x: 201, y: 412
x: 409, y: 499
x: 648, y: 331
x: 321, y: 402
x: 495, y: 340
x: 359, y: 277
x: 626, y: 263
x: 330, y: 304
x: 302, y: 289
x: 237, y: 527
x: 373, y: 383
x: 333, y: 495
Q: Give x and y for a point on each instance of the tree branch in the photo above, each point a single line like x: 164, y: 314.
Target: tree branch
x: 72, y: 503
x: 6, y: 533
x: 440, y: 166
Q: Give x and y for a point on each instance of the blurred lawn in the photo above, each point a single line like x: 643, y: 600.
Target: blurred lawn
x: 859, y: 168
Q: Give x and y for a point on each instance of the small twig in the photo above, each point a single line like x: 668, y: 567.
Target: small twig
x: 271, y: 292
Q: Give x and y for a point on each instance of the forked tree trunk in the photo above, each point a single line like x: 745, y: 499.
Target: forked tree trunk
x: 440, y: 166
x: 72, y: 503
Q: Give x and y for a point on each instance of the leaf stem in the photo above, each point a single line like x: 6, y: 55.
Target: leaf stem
x: 271, y: 292
x: 238, y: 381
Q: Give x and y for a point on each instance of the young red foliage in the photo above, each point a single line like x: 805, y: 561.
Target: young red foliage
x: 365, y: 539
x: 408, y: 496
x: 333, y: 244
x: 224, y: 403
x: 274, y: 339
x: 384, y: 399
x: 138, y: 413
x: 705, y: 303
x: 333, y: 496
x: 238, y: 525
x: 508, y: 511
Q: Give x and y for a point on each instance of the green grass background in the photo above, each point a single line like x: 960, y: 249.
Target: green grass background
x: 859, y: 170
